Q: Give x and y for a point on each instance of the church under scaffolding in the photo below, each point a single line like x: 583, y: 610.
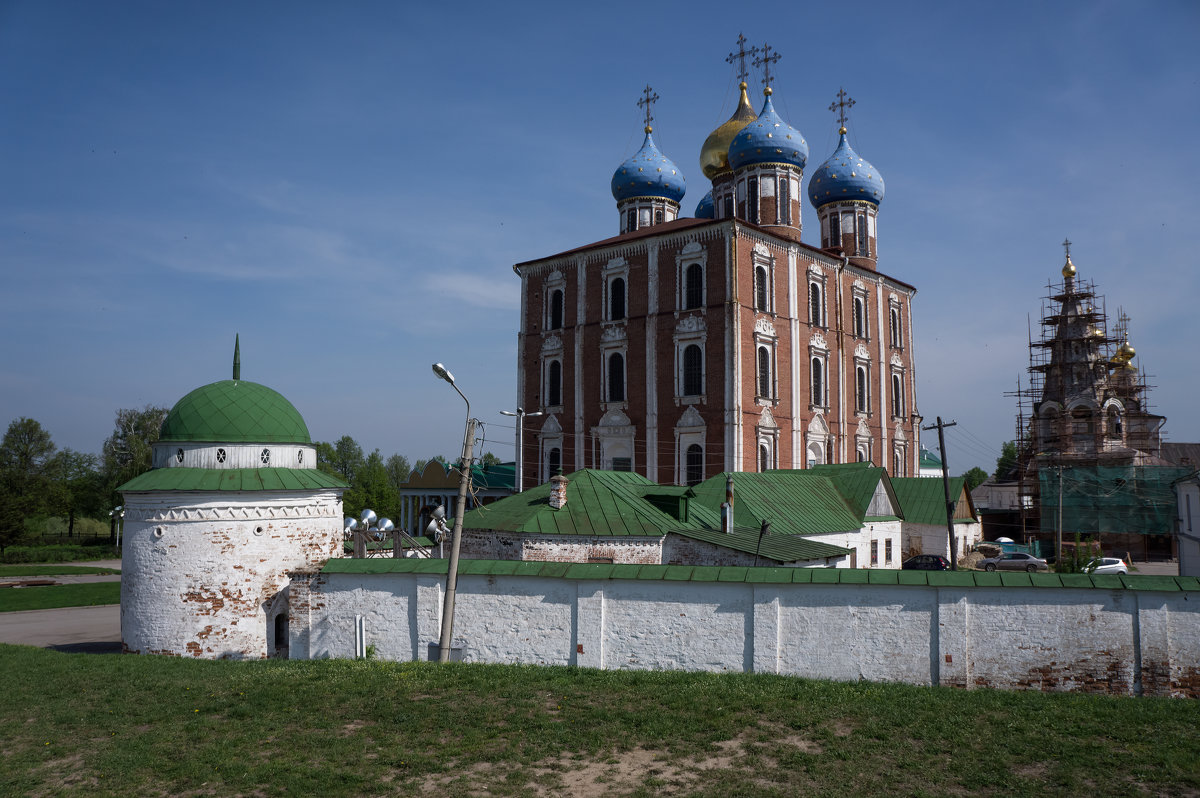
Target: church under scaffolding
x: 1090, y: 449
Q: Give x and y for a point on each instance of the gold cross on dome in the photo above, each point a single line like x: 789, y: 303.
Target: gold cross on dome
x: 765, y: 60
x: 844, y: 101
x: 648, y: 100
x: 1067, y: 246
x: 741, y: 56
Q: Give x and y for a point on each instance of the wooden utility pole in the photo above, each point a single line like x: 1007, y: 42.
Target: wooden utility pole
x: 939, y: 426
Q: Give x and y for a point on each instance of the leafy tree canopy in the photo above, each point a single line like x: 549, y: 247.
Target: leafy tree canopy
x: 975, y: 477
x: 1006, y: 463
x: 129, y: 450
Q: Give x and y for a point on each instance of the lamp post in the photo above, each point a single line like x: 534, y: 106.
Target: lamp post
x: 521, y: 415
x: 464, y: 483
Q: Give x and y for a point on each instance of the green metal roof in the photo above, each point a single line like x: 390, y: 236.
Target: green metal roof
x: 626, y: 504
x: 923, y: 500
x: 929, y: 460
x: 760, y: 575
x: 232, y: 479
x: 234, y: 411
x: 502, y: 476
x: 794, y: 502
x: 855, y: 481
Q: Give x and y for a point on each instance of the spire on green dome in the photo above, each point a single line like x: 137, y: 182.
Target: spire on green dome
x: 237, y: 357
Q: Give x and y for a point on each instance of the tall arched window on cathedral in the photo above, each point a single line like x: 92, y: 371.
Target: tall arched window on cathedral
x: 835, y: 230
x: 860, y: 317
x: 1112, y: 422
x: 897, y: 333
x: 616, y: 377
x: 764, y: 373
x: 761, y: 289
x: 556, y: 309
x: 695, y: 464
x: 863, y: 246
x: 816, y: 305
x: 693, y: 370
x: 752, y: 200
x: 693, y: 294
x: 554, y: 383
x: 860, y: 389
x: 554, y: 461
x: 764, y: 456
x: 897, y: 397
x: 818, y: 382
x: 658, y: 217
x: 784, y: 202
x: 630, y: 220
x: 616, y: 299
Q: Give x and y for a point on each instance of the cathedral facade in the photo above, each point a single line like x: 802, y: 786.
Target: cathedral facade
x: 684, y: 347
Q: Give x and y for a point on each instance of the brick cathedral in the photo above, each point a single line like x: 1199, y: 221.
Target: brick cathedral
x: 684, y: 347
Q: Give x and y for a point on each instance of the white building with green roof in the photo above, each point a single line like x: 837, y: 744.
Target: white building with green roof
x: 233, y: 505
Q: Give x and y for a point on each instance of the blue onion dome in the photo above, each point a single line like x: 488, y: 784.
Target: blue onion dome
x: 705, y: 209
x: 768, y: 139
x: 845, y: 176
x: 648, y: 173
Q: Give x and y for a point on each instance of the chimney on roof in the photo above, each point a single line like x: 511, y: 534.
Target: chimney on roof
x: 558, y: 491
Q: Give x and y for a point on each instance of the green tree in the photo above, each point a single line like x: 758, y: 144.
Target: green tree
x: 398, y: 470
x: 1006, y: 463
x: 26, y: 477
x: 975, y: 477
x: 489, y: 459
x: 348, y: 457
x: 327, y: 458
x: 129, y: 450
x: 79, y: 486
x: 372, y: 488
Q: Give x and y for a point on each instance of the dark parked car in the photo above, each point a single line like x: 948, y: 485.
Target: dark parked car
x: 926, y: 562
x: 1014, y: 561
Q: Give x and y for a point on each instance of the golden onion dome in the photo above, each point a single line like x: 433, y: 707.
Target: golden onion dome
x: 714, y: 155
x: 1068, y: 269
x: 1126, y: 351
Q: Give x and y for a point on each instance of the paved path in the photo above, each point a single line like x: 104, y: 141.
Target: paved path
x: 85, y: 630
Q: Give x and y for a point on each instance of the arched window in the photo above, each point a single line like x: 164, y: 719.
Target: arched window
x: 556, y: 309
x: 1113, y: 422
x: 658, y: 217
x: 816, y: 306
x: 693, y: 371
x: 897, y: 396
x: 764, y: 372
x: 752, y: 200
x: 694, y: 286
x: 784, y: 205
x: 554, y: 461
x: 862, y: 236
x: 764, y: 456
x: 695, y: 464
x: 897, y: 464
x: 616, y: 377
x: 818, y: 382
x: 554, y: 384
x: 860, y: 317
x: 631, y: 220
x: 616, y: 299
x: 728, y: 207
x: 761, y: 294
x: 897, y: 337
x: 860, y: 389
x: 835, y: 230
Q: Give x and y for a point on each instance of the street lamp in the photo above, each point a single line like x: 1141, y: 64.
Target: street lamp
x: 521, y: 415
x: 464, y: 484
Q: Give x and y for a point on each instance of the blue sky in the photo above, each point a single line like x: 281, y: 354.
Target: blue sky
x: 347, y: 186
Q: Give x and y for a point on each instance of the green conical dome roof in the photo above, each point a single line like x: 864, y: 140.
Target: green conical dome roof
x: 235, y: 411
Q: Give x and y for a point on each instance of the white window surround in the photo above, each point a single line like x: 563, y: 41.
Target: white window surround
x: 761, y: 259
x: 691, y: 430
x: 555, y: 281
x: 766, y: 338
x: 692, y: 253
x: 614, y: 269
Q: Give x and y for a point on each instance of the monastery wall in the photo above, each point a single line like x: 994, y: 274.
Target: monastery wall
x: 1124, y: 641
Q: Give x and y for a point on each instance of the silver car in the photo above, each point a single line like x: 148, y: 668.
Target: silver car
x: 1014, y: 561
x: 1106, y: 565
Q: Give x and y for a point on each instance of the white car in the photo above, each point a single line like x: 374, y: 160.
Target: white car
x: 1107, y: 565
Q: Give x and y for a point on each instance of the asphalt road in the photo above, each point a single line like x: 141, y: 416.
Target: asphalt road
x: 81, y: 630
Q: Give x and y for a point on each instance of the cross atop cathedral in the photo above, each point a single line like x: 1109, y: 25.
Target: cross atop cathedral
x: 1067, y: 246
x: 741, y: 55
x: 844, y: 101
x: 648, y: 100
x: 765, y: 60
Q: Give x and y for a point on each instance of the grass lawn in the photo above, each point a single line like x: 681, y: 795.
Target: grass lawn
x: 77, y: 724
x: 13, y: 599
x: 53, y: 569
